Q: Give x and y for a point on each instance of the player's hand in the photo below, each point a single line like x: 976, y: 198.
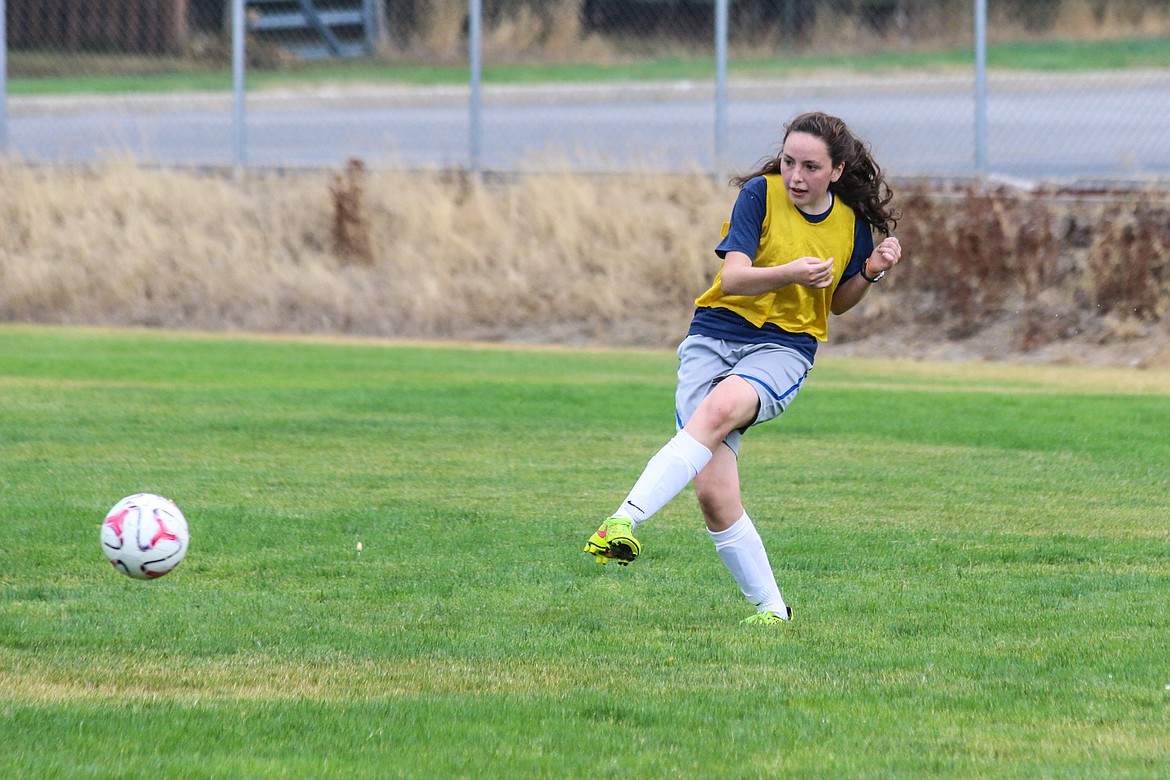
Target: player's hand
x: 812, y: 272
x: 885, y: 256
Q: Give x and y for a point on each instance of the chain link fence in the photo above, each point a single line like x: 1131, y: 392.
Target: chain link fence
x: 1075, y: 89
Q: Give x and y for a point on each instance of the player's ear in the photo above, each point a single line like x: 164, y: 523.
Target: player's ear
x: 840, y: 169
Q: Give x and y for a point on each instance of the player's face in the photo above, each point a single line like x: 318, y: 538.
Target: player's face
x: 807, y: 171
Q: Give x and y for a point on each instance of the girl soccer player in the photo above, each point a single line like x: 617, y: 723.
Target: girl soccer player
x: 799, y: 245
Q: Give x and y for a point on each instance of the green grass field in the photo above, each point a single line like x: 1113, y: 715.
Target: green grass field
x: 977, y: 557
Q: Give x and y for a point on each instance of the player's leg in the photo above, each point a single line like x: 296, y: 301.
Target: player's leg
x: 735, y: 537
x: 775, y: 375
x: 667, y: 473
x: 731, y: 405
x: 717, y: 490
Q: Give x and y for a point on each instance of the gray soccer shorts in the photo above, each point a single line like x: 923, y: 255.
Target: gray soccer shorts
x: 775, y: 371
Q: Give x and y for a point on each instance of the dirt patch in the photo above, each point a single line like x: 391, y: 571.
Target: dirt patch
x: 995, y: 344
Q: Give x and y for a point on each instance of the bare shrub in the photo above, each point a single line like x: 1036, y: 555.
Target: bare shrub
x: 518, y: 32
x: 1036, y: 259
x: 351, y: 230
x: 1040, y: 266
x: 553, y: 31
x: 564, y: 29
x: 980, y: 254
x: 441, y: 27
x: 1129, y: 262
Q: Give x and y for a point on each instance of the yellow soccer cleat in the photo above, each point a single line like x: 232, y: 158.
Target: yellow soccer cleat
x: 614, y: 540
x: 767, y: 618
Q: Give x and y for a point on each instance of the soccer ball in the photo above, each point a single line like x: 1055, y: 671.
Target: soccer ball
x: 145, y: 536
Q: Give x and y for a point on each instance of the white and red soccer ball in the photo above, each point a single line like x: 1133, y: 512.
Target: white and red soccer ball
x: 145, y: 536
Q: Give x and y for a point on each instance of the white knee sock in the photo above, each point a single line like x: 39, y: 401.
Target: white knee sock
x: 667, y: 473
x: 743, y: 553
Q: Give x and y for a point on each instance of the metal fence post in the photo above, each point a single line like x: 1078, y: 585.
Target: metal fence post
x: 475, y: 65
x: 980, y: 87
x: 3, y: 77
x: 374, y: 14
x: 239, y: 118
x: 720, y: 89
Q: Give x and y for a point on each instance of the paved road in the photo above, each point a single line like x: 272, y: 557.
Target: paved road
x: 1094, y: 126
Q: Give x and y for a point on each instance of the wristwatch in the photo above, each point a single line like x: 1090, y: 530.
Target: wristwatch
x: 871, y: 279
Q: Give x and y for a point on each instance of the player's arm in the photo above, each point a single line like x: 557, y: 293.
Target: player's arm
x: 740, y: 277
x: 850, y: 292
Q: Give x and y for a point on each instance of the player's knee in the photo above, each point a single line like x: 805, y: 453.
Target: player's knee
x: 735, y: 402
x: 723, y: 413
x: 714, y: 496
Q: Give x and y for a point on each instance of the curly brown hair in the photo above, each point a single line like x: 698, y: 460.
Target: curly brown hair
x: 862, y: 185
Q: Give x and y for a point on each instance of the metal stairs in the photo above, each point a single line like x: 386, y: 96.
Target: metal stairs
x: 315, y: 29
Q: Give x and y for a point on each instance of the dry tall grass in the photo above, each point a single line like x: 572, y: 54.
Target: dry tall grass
x: 548, y: 258
x: 554, y: 258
